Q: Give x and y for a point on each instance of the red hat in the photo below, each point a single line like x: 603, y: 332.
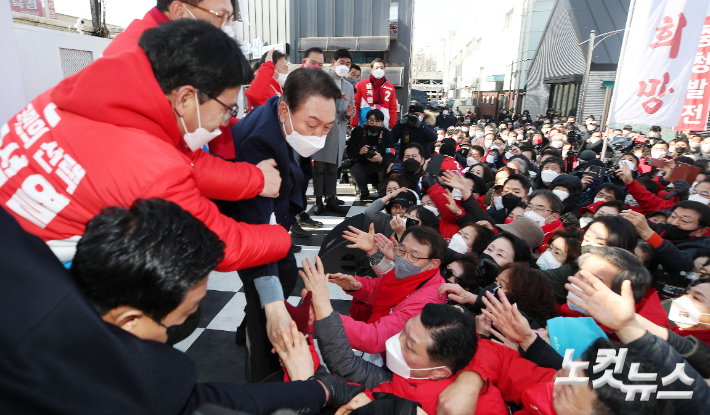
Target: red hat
x: 301, y: 313
x: 449, y: 163
x: 591, y: 208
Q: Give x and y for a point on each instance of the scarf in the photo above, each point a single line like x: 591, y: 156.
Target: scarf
x: 378, y: 96
x: 393, y: 291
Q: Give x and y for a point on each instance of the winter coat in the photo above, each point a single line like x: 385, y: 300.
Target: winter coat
x: 448, y: 225
x: 263, y: 87
x: 371, y: 338
x: 648, y: 202
x: 334, y: 147
x: 358, y: 139
x: 363, y: 103
x: 445, y: 121
x: 675, y: 256
x: 424, y: 135
x: 574, y: 185
x: 109, y: 143
x: 548, y: 230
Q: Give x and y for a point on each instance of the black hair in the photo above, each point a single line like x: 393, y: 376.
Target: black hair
x: 555, y: 203
x: 522, y: 179
x: 484, y: 236
x: 355, y: 66
x: 447, y: 149
x: 481, y: 150
x: 414, y: 145
x: 164, y: 5
x: 616, y: 204
x: 428, y: 218
x: 488, y: 175
x: 611, y: 400
x: 304, y: 83
x: 521, y: 249
x: 342, y: 53
x: 378, y: 60
x: 702, y: 209
x: 622, y: 233
x: 453, y: 335
x: 614, y: 189
x: 479, y: 184
x: 146, y: 257
x: 193, y: 52
x: 648, y: 184
x: 428, y: 236
x: 379, y: 116
x: 554, y: 160
x: 574, y: 248
x: 311, y: 50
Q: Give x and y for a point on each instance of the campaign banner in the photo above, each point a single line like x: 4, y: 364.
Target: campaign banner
x: 697, y: 99
x: 658, y: 58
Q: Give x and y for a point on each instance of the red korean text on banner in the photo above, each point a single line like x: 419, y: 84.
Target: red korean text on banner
x: 697, y: 99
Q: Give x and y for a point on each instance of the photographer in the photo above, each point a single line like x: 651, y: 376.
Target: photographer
x: 370, y: 147
x: 413, y: 129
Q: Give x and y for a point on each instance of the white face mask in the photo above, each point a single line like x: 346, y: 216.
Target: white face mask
x: 595, y: 140
x: 684, y: 313
x: 458, y: 244
x: 520, y: 137
x: 705, y: 148
x: 628, y: 164
x: 480, y: 134
x: 488, y: 143
x: 537, y: 218
x: 697, y: 198
x: 432, y: 209
x: 227, y: 29
x: 671, y: 149
x: 471, y: 161
x: 200, y: 136
x: 456, y: 194
x: 498, y: 202
x: 572, y: 306
x: 548, y: 261
x: 557, y: 144
x: 561, y: 194
x: 584, y: 222
x: 378, y: 73
x: 599, y: 199
x: 464, y: 129
x: 395, y: 359
x: 511, y: 140
x: 445, y: 112
x: 282, y: 78
x: 342, y: 71
x: 694, y: 144
x: 509, y: 155
x: 548, y: 176
x: 491, y: 157
x: 631, y: 201
x: 305, y: 145
x: 658, y: 154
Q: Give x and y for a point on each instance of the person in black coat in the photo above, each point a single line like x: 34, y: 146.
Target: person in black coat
x: 569, y: 190
x: 374, y: 140
x: 60, y: 357
x: 444, y: 120
x: 420, y: 133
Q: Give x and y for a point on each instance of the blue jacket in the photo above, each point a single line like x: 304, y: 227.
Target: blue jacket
x: 258, y: 137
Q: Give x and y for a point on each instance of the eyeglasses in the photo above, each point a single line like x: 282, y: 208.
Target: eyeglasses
x: 705, y: 194
x: 224, y: 18
x: 232, y: 112
x: 539, y: 208
x: 410, y: 256
x: 449, y: 274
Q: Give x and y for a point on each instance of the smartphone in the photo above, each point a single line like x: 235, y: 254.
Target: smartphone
x: 595, y: 171
x: 412, y: 222
x: 685, y: 172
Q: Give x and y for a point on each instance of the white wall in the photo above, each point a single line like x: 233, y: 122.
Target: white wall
x: 13, y: 94
x: 40, y: 63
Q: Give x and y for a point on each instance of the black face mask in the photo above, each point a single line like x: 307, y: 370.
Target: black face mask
x: 510, y: 201
x: 411, y: 166
x: 373, y: 129
x: 674, y: 233
x: 680, y: 150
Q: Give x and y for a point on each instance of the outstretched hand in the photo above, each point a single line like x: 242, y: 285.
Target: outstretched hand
x: 316, y: 282
x: 296, y: 358
x: 364, y: 241
x: 385, y: 245
x: 508, y: 319
x: 605, y: 306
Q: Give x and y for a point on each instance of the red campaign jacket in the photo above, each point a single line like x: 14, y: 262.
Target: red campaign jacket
x: 447, y: 224
x: 649, y: 307
x: 549, y: 230
x: 106, y: 137
x: 648, y: 202
x: 263, y: 87
x: 361, y: 100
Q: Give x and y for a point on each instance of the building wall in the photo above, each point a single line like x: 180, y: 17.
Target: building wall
x: 535, y: 17
x: 557, y: 55
x: 596, y: 94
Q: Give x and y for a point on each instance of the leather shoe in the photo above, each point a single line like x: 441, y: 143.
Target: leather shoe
x: 318, y: 208
x: 338, y: 201
x: 332, y: 206
x: 295, y: 249
x: 298, y: 232
x: 304, y: 219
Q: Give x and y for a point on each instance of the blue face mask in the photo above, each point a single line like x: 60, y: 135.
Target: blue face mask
x: 404, y: 269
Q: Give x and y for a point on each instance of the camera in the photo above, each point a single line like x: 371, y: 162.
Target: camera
x: 370, y: 153
x: 411, y: 120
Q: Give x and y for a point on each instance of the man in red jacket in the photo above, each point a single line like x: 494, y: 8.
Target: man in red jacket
x: 130, y: 127
x: 375, y: 92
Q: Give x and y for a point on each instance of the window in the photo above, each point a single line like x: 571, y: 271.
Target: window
x: 508, y: 18
x: 563, y: 97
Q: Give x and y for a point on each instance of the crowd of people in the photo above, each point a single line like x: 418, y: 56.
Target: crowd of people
x: 514, y: 259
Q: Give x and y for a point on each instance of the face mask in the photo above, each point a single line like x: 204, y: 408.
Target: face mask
x: 432, y: 209
x: 671, y: 149
x: 536, y: 217
x: 674, y: 233
x: 464, y: 129
x: 282, y: 78
x: 572, y: 306
x: 373, y: 129
x: 629, y: 200
x: 342, y: 71
x: 684, y: 313
x: 639, y: 155
x: 404, y: 269
x: 495, y: 148
x: 458, y: 244
x: 395, y: 359
x: 445, y: 112
x: 561, y: 194
x: 305, y: 145
x: 456, y: 194
x: 591, y: 127
x: 548, y: 261
x: 583, y: 222
x: 491, y: 157
x: 378, y: 73
x: 627, y: 164
x: 694, y: 145
x: 548, y: 175
x: 520, y: 137
x: 510, y: 140
x: 352, y: 81
x: 227, y: 29
x: 705, y: 148
x: 200, y: 136
x: 488, y: 143
x: 508, y: 220
x: 658, y: 154
x: 595, y: 140
x: 697, y: 198
x: 471, y: 161
x: 480, y: 134
x: 498, y: 202
x: 440, y: 137
x: 411, y: 166
x: 509, y: 155
x: 537, y: 141
x: 510, y: 201
x: 557, y: 144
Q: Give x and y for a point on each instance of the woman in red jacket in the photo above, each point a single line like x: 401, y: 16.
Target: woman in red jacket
x: 271, y: 73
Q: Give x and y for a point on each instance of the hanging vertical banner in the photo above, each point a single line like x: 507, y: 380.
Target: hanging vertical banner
x: 654, y: 71
x: 694, y: 115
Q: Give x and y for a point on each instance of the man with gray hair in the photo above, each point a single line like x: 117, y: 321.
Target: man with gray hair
x: 613, y: 266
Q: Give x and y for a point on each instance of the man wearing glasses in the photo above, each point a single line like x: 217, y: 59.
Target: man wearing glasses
x: 409, y: 279
x: 677, y: 242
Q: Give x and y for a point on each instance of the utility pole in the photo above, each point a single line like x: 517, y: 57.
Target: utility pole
x: 478, y: 101
x: 510, y: 89
x: 590, y: 54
